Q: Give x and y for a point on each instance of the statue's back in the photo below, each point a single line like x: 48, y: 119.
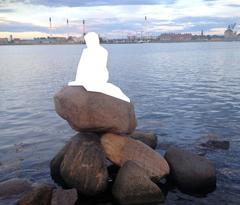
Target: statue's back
x: 92, y: 66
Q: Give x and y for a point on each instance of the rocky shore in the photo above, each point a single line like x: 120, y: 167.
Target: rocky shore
x: 109, y: 158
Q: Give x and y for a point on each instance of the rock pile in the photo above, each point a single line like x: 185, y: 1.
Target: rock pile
x: 106, y: 128
x: 108, y: 154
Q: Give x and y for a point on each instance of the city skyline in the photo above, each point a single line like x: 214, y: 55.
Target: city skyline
x: 30, y: 18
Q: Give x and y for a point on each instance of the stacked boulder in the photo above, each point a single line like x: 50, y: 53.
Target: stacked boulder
x: 94, y: 112
x: 106, y: 128
x: 108, y: 153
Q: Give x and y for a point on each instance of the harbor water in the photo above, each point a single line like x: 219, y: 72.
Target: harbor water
x: 181, y: 91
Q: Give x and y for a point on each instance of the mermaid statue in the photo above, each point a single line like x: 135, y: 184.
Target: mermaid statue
x: 92, y: 72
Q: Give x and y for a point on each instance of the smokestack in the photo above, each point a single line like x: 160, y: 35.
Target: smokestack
x: 50, y: 26
x: 83, y: 27
x: 67, y: 28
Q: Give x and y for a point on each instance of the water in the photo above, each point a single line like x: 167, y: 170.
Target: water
x: 181, y: 91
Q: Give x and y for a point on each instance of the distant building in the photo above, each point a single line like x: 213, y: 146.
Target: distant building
x: 3, y: 41
x: 40, y: 40
x: 73, y: 39
x: 16, y: 40
x: 57, y: 40
x: 216, y: 38
x: 200, y: 37
x: 176, y: 37
x: 11, y: 38
x: 229, y: 35
x: 133, y: 38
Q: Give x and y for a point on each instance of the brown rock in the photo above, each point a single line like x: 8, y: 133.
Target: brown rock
x: 120, y: 149
x: 14, y: 186
x: 94, y: 112
x: 190, y: 172
x: 55, y: 165
x: 148, y: 138
x: 40, y: 195
x: 83, y: 166
x: 133, y: 186
x: 64, y: 197
x: 212, y: 141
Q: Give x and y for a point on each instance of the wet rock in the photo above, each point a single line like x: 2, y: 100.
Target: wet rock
x: 83, y: 166
x: 133, y: 186
x: 40, y: 195
x: 64, y: 197
x: 14, y: 186
x: 95, y: 112
x: 55, y: 165
x: 190, y: 172
x: 218, y: 144
x: 214, y: 142
x: 148, y: 138
x: 120, y: 149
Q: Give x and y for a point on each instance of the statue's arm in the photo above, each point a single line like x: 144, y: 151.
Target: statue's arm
x: 105, y: 57
x: 82, y: 59
x: 81, y: 65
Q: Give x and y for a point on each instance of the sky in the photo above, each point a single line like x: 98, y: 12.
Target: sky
x: 113, y: 19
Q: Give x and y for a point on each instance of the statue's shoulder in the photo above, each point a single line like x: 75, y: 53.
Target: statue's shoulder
x: 104, y: 50
x: 85, y: 51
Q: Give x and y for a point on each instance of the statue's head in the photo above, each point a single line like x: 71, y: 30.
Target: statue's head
x: 91, y: 39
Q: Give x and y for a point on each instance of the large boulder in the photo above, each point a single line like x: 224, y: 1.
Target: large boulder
x: 120, y: 149
x: 133, y: 186
x: 14, y: 186
x: 191, y: 172
x: 93, y: 111
x: 83, y: 164
x: 64, y: 196
x: 40, y: 195
x: 55, y: 164
x: 148, y: 138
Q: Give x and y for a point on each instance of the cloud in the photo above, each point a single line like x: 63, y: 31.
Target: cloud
x: 233, y: 5
x: 14, y: 26
x: 110, y: 17
x: 24, y: 35
x: 207, y: 20
x: 4, y: 10
x: 206, y: 23
x: 216, y: 31
x: 87, y: 3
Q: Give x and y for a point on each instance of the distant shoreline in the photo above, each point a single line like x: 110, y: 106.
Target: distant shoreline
x: 30, y: 44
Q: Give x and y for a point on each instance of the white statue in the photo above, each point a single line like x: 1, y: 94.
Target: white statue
x: 92, y: 70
